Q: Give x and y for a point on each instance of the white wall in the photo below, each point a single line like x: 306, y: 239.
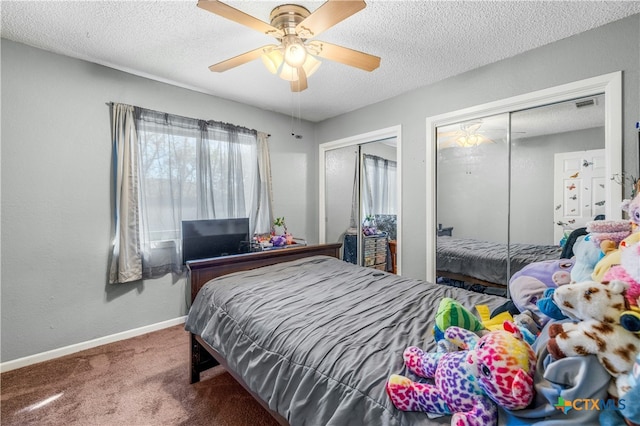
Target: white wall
x: 610, y: 48
x: 56, y: 206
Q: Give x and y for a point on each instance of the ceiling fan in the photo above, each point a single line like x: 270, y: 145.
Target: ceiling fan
x: 294, y: 57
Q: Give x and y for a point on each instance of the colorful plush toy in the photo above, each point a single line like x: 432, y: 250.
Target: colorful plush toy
x: 450, y: 312
x: 528, y: 285
x: 596, y: 307
x: 497, y: 368
x: 612, y: 257
x: 548, y: 307
x: 524, y: 321
x: 587, y: 255
x: 632, y: 207
x: 629, y: 272
x: 608, y: 230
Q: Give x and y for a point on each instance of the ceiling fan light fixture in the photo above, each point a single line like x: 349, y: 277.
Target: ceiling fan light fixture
x: 295, y: 52
x: 311, y: 65
x: 273, y: 59
x: 288, y: 72
x: 294, y: 27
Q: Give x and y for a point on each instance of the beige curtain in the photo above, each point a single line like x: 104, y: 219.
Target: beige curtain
x: 264, y: 212
x: 125, y: 263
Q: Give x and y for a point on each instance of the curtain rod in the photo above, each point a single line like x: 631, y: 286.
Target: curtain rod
x: 109, y: 104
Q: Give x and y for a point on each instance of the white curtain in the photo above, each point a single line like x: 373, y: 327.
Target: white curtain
x: 264, y: 212
x: 379, y: 186
x: 192, y: 169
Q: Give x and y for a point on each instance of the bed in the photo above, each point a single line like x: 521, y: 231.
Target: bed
x: 485, y: 262
x: 312, y: 337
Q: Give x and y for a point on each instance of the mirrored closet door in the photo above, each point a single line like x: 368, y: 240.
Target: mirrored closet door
x: 361, y: 202
x: 511, y: 187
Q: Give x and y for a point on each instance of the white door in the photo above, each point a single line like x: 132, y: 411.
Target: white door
x: 579, y: 189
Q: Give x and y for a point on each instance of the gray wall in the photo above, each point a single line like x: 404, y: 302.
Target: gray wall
x: 533, y: 222
x: 56, y: 185
x: 473, y: 186
x: 614, y: 47
x: 56, y: 157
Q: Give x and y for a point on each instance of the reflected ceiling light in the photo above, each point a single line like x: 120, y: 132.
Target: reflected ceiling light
x: 468, y: 136
x: 472, y: 140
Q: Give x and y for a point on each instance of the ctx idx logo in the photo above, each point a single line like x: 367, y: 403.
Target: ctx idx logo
x: 585, y: 404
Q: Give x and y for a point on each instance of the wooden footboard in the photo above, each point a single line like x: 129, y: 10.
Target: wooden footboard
x: 200, y: 272
x: 467, y: 279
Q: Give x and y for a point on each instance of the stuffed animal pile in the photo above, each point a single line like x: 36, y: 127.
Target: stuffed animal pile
x: 486, y: 362
x: 606, y: 314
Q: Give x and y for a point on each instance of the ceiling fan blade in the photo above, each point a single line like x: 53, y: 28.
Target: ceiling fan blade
x: 238, y: 60
x: 226, y: 11
x: 346, y: 56
x: 301, y: 83
x: 328, y: 15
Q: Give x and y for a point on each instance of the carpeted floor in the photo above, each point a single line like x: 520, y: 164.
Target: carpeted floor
x: 139, y: 381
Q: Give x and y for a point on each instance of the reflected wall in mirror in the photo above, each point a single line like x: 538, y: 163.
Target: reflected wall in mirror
x: 473, y: 179
x: 558, y: 169
x: 340, y: 172
x: 546, y: 149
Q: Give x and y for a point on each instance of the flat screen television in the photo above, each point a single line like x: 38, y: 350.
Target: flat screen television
x: 202, y: 239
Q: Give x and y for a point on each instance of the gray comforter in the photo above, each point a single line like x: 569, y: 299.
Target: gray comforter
x: 486, y: 260
x: 317, y: 339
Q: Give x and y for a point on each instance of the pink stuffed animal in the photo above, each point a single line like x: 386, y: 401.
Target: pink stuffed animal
x: 496, y: 369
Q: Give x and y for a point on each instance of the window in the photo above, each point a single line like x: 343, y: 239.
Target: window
x: 187, y: 169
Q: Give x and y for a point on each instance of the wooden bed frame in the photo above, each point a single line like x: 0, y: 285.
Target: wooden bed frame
x: 468, y: 279
x: 200, y: 272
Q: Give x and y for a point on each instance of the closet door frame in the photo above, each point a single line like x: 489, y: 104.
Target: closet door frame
x: 374, y: 136
x: 609, y: 84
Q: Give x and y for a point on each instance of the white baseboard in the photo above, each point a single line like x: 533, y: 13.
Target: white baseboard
x: 67, y: 350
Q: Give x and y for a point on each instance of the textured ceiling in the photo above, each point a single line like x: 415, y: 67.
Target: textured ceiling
x: 420, y: 42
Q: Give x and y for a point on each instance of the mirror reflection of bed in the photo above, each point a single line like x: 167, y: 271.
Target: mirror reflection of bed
x: 508, y: 200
